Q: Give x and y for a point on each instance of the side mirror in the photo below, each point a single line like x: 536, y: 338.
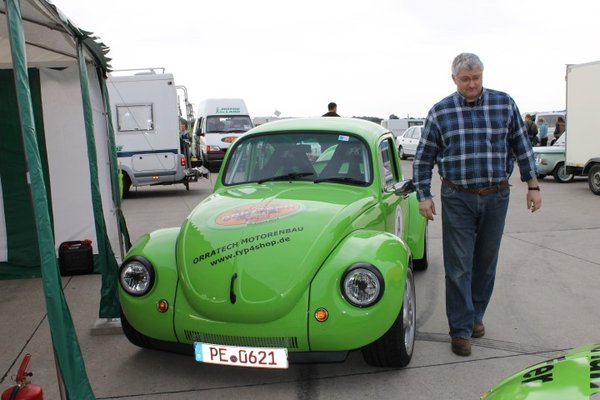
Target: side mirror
x: 404, y: 188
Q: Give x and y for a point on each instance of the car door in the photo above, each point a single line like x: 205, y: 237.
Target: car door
x: 413, y: 141
x: 390, y: 174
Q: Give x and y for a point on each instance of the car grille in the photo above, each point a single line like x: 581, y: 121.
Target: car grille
x: 289, y: 342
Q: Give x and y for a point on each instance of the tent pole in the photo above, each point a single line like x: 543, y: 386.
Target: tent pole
x: 109, y: 301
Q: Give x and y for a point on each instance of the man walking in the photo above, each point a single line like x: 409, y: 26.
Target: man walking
x: 472, y: 135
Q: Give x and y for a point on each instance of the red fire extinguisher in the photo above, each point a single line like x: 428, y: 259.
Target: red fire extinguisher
x: 24, y: 389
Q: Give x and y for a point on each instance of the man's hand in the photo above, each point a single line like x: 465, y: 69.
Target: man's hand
x: 427, y: 209
x: 534, y: 197
x: 534, y: 200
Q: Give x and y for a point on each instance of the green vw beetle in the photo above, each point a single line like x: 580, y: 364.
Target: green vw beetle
x: 572, y: 376
x: 304, y: 252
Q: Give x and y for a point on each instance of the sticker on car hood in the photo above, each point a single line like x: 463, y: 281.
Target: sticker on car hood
x: 255, y: 213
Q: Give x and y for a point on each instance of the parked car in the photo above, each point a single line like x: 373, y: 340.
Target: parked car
x: 305, y: 251
x: 408, y: 142
x: 550, y: 160
x: 574, y: 375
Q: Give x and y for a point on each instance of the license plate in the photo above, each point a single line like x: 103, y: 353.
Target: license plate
x: 253, y: 357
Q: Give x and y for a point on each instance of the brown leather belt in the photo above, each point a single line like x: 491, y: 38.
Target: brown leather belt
x: 484, y: 191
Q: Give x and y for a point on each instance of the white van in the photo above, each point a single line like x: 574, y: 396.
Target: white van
x: 218, y: 123
x: 145, y: 116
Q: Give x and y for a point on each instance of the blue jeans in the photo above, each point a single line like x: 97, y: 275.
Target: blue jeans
x: 472, y: 228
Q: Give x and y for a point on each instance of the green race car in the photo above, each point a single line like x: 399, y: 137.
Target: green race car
x: 304, y: 252
x: 573, y: 376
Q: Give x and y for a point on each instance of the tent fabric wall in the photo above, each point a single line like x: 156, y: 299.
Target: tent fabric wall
x: 19, y: 223
x: 68, y: 159
x: 61, y: 136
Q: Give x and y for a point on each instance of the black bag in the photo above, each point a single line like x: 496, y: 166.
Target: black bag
x: 76, y: 258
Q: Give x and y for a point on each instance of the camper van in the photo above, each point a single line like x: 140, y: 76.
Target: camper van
x: 218, y: 123
x: 146, y: 119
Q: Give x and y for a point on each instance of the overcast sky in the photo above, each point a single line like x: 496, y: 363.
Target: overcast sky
x: 373, y: 58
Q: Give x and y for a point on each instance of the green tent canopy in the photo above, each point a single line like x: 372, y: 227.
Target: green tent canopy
x: 58, y: 169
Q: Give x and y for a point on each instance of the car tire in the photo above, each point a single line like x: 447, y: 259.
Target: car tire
x: 422, y: 264
x: 395, y: 348
x: 134, y: 336
x: 594, y: 179
x: 126, y: 185
x: 402, y: 153
x: 560, y: 173
x: 541, y: 176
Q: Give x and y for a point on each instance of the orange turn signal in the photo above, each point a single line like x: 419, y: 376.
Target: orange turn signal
x: 321, y: 314
x: 162, y: 306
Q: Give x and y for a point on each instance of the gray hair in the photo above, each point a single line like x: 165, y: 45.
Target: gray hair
x: 466, y: 60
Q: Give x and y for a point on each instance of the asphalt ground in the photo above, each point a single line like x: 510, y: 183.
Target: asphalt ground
x: 545, y: 302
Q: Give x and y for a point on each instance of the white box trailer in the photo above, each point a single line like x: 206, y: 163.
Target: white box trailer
x: 582, y: 145
x: 146, y: 119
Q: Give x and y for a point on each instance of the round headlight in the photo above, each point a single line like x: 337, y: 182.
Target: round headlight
x: 136, y: 276
x: 362, y: 285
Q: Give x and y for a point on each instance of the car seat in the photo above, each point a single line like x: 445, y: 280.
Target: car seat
x: 288, y: 159
x: 347, y: 162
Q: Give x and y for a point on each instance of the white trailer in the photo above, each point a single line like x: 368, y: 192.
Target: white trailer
x: 146, y: 119
x: 583, y: 141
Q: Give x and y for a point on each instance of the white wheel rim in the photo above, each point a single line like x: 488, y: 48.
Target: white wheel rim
x: 409, y: 313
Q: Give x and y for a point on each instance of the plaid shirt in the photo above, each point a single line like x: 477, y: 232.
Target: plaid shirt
x: 473, y: 144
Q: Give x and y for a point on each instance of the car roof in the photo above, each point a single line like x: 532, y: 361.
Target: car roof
x: 368, y: 130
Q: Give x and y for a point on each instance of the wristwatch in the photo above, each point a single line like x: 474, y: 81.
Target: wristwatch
x: 534, y: 188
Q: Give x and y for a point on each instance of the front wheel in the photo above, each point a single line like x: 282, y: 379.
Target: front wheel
x: 395, y: 347
x: 402, y: 153
x: 560, y: 173
x: 126, y: 184
x: 594, y: 179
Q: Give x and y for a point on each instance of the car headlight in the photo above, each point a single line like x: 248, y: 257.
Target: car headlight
x: 136, y: 276
x: 362, y: 285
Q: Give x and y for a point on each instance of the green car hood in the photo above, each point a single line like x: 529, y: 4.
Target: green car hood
x: 248, y: 253
x: 573, y: 376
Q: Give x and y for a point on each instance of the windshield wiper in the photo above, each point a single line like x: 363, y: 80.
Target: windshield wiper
x: 285, y: 177
x: 343, y: 179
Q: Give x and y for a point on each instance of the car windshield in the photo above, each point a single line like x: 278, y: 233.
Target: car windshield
x: 228, y: 124
x: 299, y: 156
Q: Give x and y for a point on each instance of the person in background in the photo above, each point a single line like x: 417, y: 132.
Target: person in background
x: 532, y: 129
x: 184, y: 137
x: 472, y: 135
x: 559, y: 128
x: 332, y: 107
x: 543, y: 132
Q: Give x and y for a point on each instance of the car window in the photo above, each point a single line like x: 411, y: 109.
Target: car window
x: 417, y: 132
x: 388, y: 162
x: 299, y: 156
